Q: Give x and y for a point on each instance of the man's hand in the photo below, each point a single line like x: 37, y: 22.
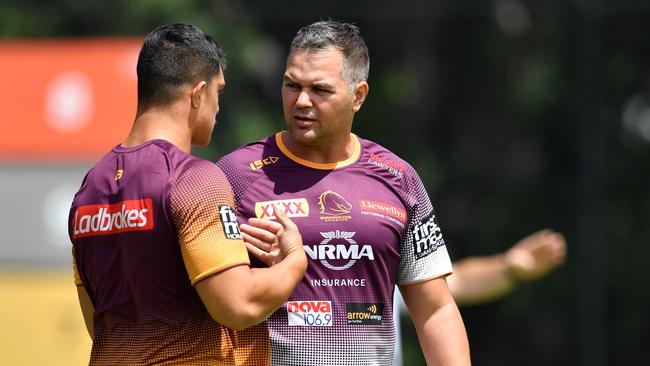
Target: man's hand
x: 535, y: 255
x: 240, y: 297
x: 271, y: 241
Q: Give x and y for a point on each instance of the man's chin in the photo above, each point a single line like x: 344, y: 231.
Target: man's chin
x: 304, y: 136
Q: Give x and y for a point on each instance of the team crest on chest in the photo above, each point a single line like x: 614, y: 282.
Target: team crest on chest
x: 334, y: 207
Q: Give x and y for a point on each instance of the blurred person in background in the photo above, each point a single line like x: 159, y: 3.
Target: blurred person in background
x: 478, y: 280
x: 161, y: 270
x: 365, y: 217
x: 481, y: 279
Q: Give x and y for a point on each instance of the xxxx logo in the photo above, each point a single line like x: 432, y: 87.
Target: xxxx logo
x: 297, y: 207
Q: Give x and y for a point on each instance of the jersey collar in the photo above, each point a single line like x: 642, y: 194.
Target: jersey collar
x: 323, y: 166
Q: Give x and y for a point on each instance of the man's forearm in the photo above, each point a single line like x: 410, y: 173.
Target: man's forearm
x: 241, y: 297
x: 272, y: 286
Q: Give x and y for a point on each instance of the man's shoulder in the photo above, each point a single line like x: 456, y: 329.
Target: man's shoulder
x: 251, y: 148
x: 372, y: 147
x: 253, y: 155
x: 382, y: 157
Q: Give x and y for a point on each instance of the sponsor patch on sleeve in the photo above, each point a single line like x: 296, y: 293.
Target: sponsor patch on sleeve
x: 427, y: 236
x: 229, y: 222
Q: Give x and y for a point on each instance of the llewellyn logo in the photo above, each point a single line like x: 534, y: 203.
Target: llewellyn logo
x: 333, y: 207
x: 383, y: 210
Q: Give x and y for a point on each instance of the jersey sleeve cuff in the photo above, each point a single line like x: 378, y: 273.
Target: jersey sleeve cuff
x: 216, y: 269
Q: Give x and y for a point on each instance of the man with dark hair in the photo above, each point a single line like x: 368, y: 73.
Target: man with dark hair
x: 161, y: 270
x: 365, y: 217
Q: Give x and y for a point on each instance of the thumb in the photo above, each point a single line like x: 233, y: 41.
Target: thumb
x: 282, y: 217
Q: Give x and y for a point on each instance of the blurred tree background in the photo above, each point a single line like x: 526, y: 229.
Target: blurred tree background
x: 518, y: 115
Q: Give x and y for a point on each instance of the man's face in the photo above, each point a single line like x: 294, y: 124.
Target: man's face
x: 318, y: 103
x: 208, y: 111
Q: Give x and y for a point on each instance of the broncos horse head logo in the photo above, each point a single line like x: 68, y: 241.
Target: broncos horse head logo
x: 333, y: 204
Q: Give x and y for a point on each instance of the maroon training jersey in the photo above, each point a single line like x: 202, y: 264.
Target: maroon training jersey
x: 147, y: 223
x: 367, y: 224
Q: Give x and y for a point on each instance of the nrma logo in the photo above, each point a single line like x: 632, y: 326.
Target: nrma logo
x: 338, y: 250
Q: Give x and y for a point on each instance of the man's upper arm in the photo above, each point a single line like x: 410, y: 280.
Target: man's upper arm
x: 423, y: 253
x: 438, y: 322
x: 202, y: 209
x: 423, y: 298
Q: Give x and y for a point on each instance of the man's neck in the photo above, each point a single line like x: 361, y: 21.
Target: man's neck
x: 160, y: 124
x: 326, y: 152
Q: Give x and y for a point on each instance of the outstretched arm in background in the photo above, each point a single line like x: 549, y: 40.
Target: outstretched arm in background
x: 482, y: 279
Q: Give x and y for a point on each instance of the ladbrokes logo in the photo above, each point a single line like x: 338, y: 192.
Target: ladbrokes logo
x: 292, y: 208
x: 333, y: 207
x: 364, y: 313
x: 105, y: 219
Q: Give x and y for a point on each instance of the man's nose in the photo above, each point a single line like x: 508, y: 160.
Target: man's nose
x: 303, y: 99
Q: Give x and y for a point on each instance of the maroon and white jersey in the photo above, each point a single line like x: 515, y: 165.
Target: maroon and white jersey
x: 367, y: 224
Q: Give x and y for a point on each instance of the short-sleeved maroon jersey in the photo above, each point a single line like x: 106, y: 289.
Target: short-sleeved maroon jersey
x: 147, y: 223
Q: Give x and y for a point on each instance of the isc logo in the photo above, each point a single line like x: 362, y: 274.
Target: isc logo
x: 310, y: 313
x: 259, y: 164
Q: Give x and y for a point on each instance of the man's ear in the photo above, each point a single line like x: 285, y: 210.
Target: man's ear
x: 360, y: 94
x: 197, y: 93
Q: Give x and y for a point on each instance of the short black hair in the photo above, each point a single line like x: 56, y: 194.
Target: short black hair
x: 174, y: 55
x: 345, y: 37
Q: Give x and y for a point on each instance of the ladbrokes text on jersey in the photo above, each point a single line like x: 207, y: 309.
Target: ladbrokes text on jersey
x: 104, y: 219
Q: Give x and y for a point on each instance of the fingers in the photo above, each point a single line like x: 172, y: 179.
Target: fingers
x: 255, y: 234
x: 265, y: 246
x: 283, y: 219
x: 558, y: 248
x: 267, y: 225
x: 259, y: 254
